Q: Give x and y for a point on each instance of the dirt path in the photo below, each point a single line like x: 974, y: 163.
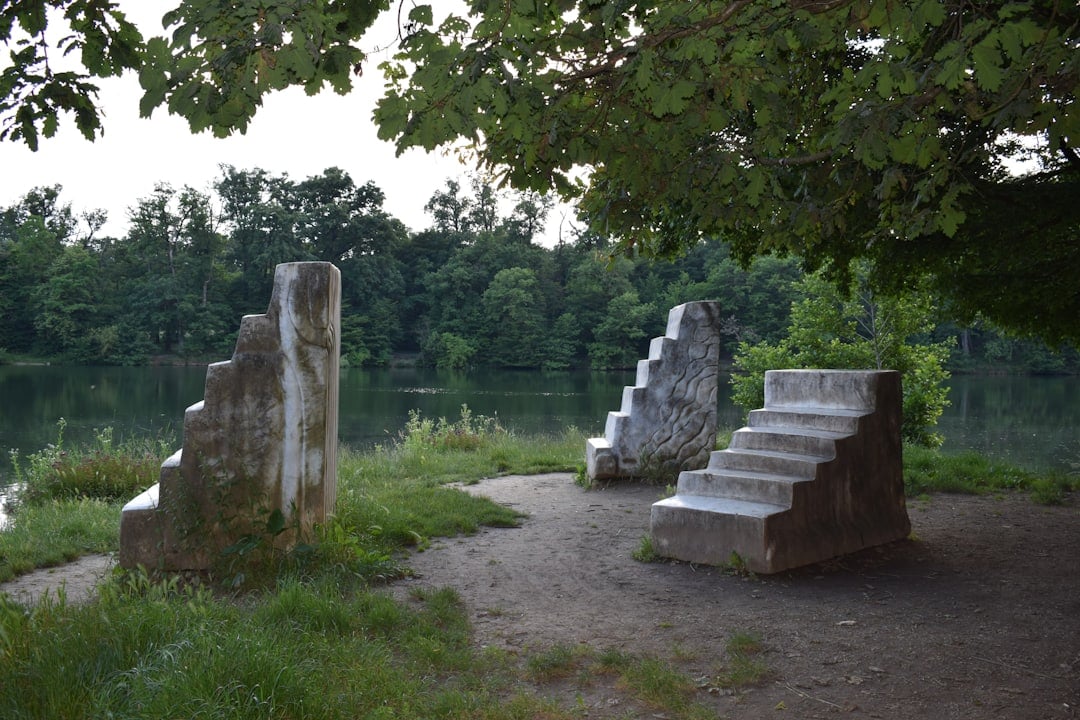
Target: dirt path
x: 978, y: 617
x: 78, y: 580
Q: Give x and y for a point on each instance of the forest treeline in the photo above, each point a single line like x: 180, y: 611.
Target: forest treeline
x: 473, y: 288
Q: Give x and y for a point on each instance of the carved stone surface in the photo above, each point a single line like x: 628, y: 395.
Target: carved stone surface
x: 816, y: 473
x: 264, y: 438
x: 667, y: 422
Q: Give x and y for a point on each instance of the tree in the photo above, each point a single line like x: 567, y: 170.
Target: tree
x: 449, y: 209
x: 448, y: 351
x: 834, y: 130
x: 563, y: 343
x: 262, y: 218
x: 621, y: 338
x: 171, y: 261
x: 514, y: 318
x: 338, y: 220
x: 25, y: 260
x: 861, y: 330
x: 68, y: 307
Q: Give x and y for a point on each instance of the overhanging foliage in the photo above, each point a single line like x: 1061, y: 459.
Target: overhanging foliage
x: 930, y: 137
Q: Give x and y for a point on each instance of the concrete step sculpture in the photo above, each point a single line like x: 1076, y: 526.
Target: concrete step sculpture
x: 667, y: 422
x: 816, y: 473
x: 259, y: 458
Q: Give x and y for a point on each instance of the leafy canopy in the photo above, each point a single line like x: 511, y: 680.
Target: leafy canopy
x: 928, y: 136
x: 223, y: 57
x: 34, y: 92
x: 833, y: 129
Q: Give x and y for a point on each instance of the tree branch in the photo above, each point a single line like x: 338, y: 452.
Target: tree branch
x: 1069, y: 153
x: 796, y: 161
x: 617, y: 55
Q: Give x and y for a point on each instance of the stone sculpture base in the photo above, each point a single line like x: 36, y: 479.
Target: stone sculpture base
x: 817, y: 473
x: 667, y: 422
x: 260, y: 451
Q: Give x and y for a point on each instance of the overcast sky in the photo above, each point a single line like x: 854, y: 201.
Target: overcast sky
x: 292, y: 133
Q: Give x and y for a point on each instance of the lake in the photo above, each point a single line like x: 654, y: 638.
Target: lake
x: 1033, y: 421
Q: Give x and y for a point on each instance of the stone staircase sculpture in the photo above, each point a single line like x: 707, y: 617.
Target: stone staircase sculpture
x: 816, y: 473
x: 260, y: 450
x: 667, y: 421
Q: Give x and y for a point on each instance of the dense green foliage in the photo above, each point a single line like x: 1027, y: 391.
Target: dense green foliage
x: 862, y: 331
x: 878, y: 129
x: 471, y: 289
x: 40, y: 84
x: 935, y: 138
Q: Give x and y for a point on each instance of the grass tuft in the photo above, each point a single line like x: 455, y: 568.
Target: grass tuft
x: 555, y: 663
x: 745, y: 665
x: 645, y: 552
x: 102, y: 470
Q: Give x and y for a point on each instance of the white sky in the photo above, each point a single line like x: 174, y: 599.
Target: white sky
x: 291, y: 133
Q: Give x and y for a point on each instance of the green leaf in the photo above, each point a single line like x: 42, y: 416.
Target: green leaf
x: 987, y: 63
x: 643, y: 70
x: 275, y: 524
x: 421, y: 14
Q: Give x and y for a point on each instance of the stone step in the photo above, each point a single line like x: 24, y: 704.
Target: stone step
x: 836, y: 420
x: 616, y: 421
x: 710, y: 530
x: 745, y: 485
x: 723, y: 506
x: 766, y: 461
x: 833, y: 389
x: 801, y: 441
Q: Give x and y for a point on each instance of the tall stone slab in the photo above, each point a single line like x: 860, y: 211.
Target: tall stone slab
x: 262, y: 441
x: 667, y: 422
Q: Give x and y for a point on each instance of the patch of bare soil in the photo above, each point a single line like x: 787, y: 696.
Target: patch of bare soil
x: 77, y: 580
x: 976, y: 616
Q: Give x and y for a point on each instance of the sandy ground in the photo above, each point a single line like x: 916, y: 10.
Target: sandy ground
x: 77, y: 580
x: 977, y: 616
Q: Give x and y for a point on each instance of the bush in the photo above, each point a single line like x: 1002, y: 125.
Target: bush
x: 860, y: 330
x: 104, y: 471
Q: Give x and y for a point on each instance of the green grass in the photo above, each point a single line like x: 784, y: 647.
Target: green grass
x: 745, y: 667
x: 55, y: 532
x: 472, y: 447
x: 306, y: 650
x: 645, y: 552
x: 930, y: 470
x: 317, y: 637
x: 391, y: 497
x: 316, y: 648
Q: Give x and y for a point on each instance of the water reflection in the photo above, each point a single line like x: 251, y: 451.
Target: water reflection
x: 1034, y: 421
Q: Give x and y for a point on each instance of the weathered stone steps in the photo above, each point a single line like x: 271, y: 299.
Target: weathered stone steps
x: 667, y: 419
x: 743, y: 485
x: 842, y: 453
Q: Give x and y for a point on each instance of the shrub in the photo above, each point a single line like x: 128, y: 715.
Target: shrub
x: 860, y: 330
x: 105, y: 470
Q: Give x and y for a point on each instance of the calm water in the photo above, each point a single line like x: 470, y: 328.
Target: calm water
x: 1034, y: 421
